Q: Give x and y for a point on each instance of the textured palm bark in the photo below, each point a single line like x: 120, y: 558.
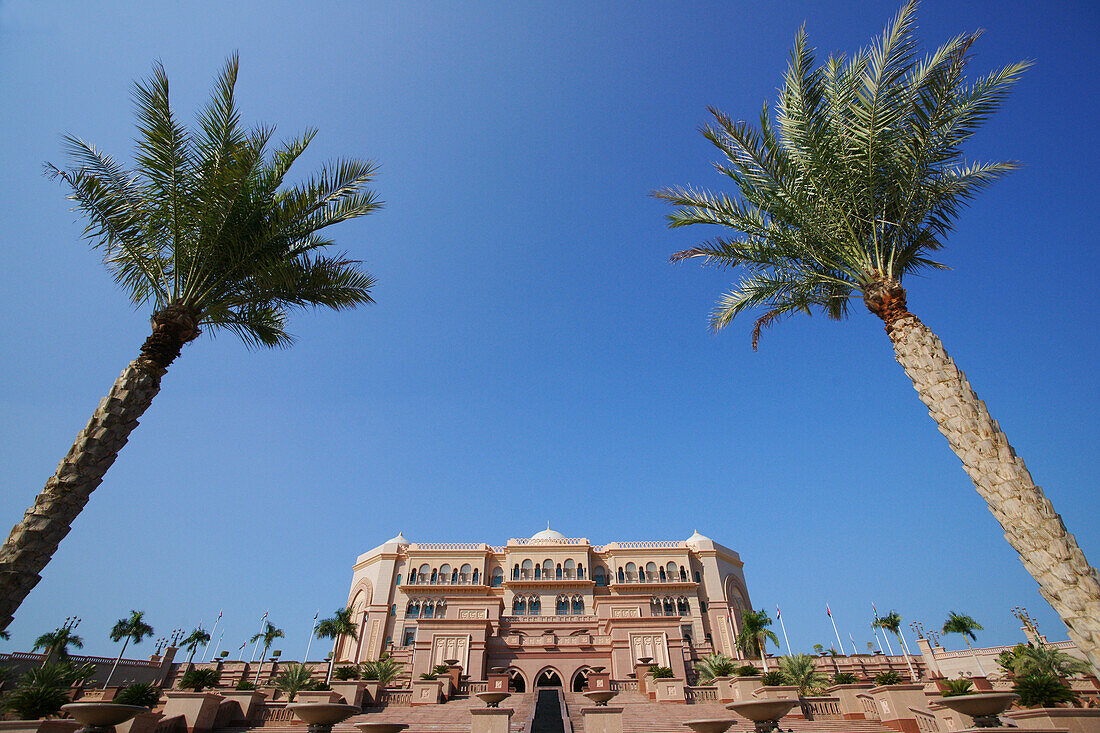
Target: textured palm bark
x: 33, y: 541
x: 1031, y: 526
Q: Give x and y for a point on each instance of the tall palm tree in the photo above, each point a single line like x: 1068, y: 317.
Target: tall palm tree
x: 754, y: 634
x: 269, y: 635
x: 193, y: 641
x: 336, y: 628
x: 56, y: 643
x: 892, y: 622
x: 852, y: 187
x: 965, y: 625
x: 127, y: 629
x: 205, y: 232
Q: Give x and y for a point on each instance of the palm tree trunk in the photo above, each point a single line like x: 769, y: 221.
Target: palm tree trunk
x: 976, y: 657
x: 34, y: 540
x: 115, y: 665
x: 1030, y: 524
x: 905, y: 650
x: 332, y: 660
x: 763, y: 656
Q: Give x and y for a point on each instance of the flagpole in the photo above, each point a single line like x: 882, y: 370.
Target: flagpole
x: 257, y: 644
x: 783, y: 626
x: 243, y: 645
x: 311, y: 632
x: 833, y: 621
x: 912, y: 674
x: 207, y: 647
x: 855, y: 649
x: 216, y: 647
x: 883, y: 631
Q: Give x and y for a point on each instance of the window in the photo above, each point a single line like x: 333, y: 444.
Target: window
x: 698, y: 578
x: 475, y: 578
x: 435, y: 576
x: 558, y: 573
x: 454, y: 575
x: 702, y: 606
x: 600, y: 577
x: 580, y: 571
x: 412, y: 576
x: 669, y: 610
x: 548, y: 569
x: 410, y: 637
x: 631, y: 572
x: 683, y: 574
x: 534, y: 606
x: 399, y: 578
x: 685, y: 631
x: 682, y: 607
x: 661, y: 575
x: 519, y: 606
x: 393, y: 610
x: 445, y: 574
x: 561, y: 608
x: 578, y: 605
x: 464, y: 574
x: 413, y: 610
x: 498, y: 577
x: 428, y: 611
x: 423, y: 573
x: 538, y: 572
x: 621, y: 576
x: 651, y: 572
x: 672, y: 572
x: 526, y: 569
x: 515, y: 572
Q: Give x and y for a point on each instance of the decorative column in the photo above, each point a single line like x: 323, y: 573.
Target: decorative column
x: 490, y: 720
x: 603, y: 720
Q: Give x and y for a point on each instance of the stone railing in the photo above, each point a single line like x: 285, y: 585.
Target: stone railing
x: 81, y: 659
x: 624, y: 685
x: 821, y: 708
x: 870, y: 710
x: 465, y: 687
x: 448, y: 546
x: 272, y: 713
x: 700, y: 694
x: 397, y: 698
x: 533, y: 541
x: 926, y: 721
x: 645, y: 545
x: 543, y: 640
x: 548, y: 619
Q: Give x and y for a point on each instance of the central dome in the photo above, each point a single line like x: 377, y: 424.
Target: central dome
x: 548, y: 534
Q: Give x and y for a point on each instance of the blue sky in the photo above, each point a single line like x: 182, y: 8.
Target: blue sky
x: 532, y: 356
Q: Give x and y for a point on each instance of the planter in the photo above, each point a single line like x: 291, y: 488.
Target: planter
x: 850, y: 706
x: 246, y: 700
x: 1074, y: 720
x: 765, y: 714
x: 427, y: 692
x: 54, y: 725
x: 327, y: 697
x: 668, y: 690
x: 984, y: 708
x: 600, y: 697
x: 776, y: 692
x: 199, y: 709
x: 493, y: 699
x: 101, y: 717
x: 350, y: 691
x: 321, y: 716
x: 710, y: 726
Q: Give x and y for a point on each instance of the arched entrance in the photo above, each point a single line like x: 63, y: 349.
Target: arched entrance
x: 580, y: 680
x: 548, y: 678
x: 516, y: 682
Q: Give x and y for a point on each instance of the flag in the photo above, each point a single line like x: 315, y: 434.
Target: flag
x: 875, y: 610
x: 243, y: 643
x: 316, y: 615
x: 827, y: 611
x: 777, y: 614
x: 219, y: 614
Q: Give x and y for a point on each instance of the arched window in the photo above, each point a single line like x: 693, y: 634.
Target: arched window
x: 519, y: 606
x: 661, y: 575
x: 558, y: 572
x: 435, y: 576
x: 621, y: 576
x: 561, y: 608
x: 474, y: 579
x: 580, y: 571
x: 412, y: 576
x: 631, y: 572
x: 498, y: 577
x: 599, y: 576
x: 429, y: 610
x: 525, y: 569
x: 669, y: 610
x: 672, y: 574
x: 464, y: 574
x: 413, y: 609
x: 399, y: 578
x: 651, y: 572
x: 682, y: 607
x: 538, y: 572
x: 445, y: 574
x: 570, y: 569
x: 683, y: 574
x: 578, y: 605
x: 702, y: 606
x: 393, y: 610
x: 515, y: 572
x: 454, y: 575
x: 534, y: 606
x: 698, y: 578
x: 424, y: 573
x: 440, y: 608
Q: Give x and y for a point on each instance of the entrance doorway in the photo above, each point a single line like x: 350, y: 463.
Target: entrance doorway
x: 548, y: 678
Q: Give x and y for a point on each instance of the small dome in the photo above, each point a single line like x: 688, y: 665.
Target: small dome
x: 696, y: 537
x: 548, y: 534
x: 398, y: 540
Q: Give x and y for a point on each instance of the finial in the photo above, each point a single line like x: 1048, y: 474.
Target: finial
x: 548, y: 524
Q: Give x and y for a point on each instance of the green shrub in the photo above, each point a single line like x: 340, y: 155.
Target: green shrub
x: 660, y: 673
x: 958, y: 687
x: 31, y: 702
x: 245, y: 684
x: 200, y: 679
x: 747, y: 670
x: 384, y: 670
x: 441, y: 670
x: 346, y: 672
x: 143, y: 694
x: 293, y: 679
x: 887, y: 678
x: 845, y: 678
x: 428, y: 676
x: 715, y: 665
x: 773, y: 679
x: 1042, y: 690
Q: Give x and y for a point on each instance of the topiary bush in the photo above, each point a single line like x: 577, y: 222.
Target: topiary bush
x: 200, y: 679
x: 958, y: 687
x: 245, y: 684
x: 32, y: 702
x: 142, y: 694
x: 660, y: 673
x: 1043, y: 690
x: 345, y: 673
x: 845, y: 678
x: 747, y: 670
x: 887, y: 678
x: 773, y: 679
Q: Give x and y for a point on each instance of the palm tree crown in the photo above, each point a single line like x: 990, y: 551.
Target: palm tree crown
x: 205, y: 229
x: 961, y: 624
x: 268, y: 635
x: 194, y: 640
x: 132, y: 628
x: 339, y: 625
x: 754, y: 633
x: 58, y: 642
x: 853, y: 184
x: 890, y: 622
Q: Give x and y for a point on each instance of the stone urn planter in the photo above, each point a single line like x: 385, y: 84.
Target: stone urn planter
x: 101, y: 717
x: 381, y: 727
x: 765, y: 714
x: 492, y: 699
x: 600, y: 697
x: 321, y: 716
x: 1073, y: 720
x: 984, y: 707
x: 710, y: 726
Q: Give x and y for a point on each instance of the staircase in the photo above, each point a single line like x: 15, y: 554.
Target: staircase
x: 547, y: 713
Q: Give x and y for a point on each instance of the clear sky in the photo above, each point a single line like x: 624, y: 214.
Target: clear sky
x: 533, y: 356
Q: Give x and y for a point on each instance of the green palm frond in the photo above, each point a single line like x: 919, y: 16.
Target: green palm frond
x: 855, y: 179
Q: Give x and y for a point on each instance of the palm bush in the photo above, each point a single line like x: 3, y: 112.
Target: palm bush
x: 346, y: 672
x: 142, y: 694
x: 773, y: 678
x: 244, y: 684
x: 957, y: 687
x: 293, y: 679
x: 56, y: 643
x: 1042, y: 690
x: 428, y: 675
x: 850, y: 188
x: 441, y: 669
x: 888, y: 678
x: 384, y: 670
x: 200, y: 679
x: 661, y: 673
x: 714, y: 666
x: 1025, y: 659
x: 801, y: 671
x: 844, y: 678
x: 747, y: 670
x: 31, y: 702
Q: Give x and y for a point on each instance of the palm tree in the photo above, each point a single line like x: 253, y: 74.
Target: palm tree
x: 892, y: 622
x: 56, y: 643
x: 269, y: 635
x: 714, y: 666
x: 194, y: 640
x: 802, y: 672
x: 336, y: 628
x: 205, y: 232
x: 126, y: 629
x: 960, y: 624
x: 383, y: 670
x: 754, y: 634
x: 294, y: 679
x: 851, y: 188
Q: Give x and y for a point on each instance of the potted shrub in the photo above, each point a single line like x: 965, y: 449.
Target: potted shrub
x: 143, y: 695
